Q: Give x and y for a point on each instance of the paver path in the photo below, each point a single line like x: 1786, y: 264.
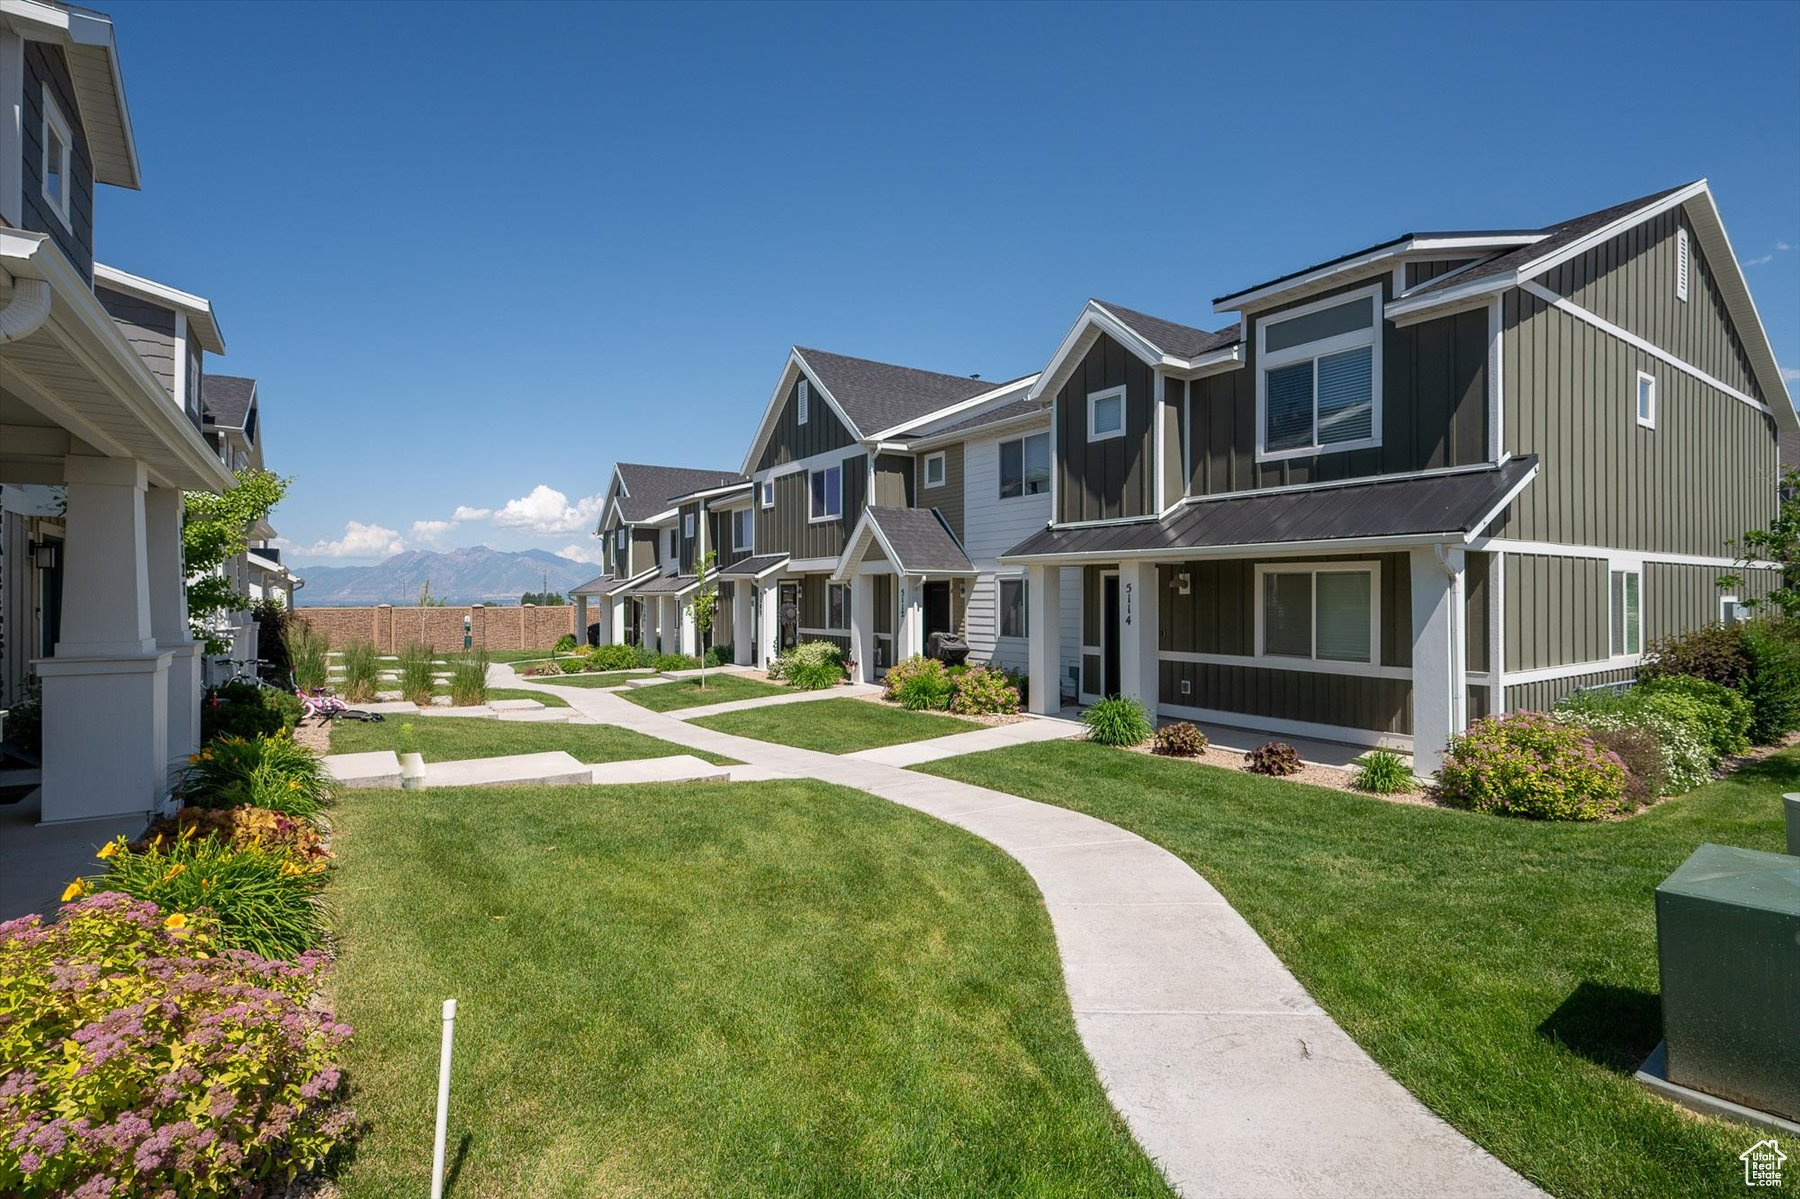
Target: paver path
x: 1224, y: 1068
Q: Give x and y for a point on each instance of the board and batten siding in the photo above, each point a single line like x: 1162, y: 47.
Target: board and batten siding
x: 46, y: 69
x: 950, y: 499
x: 646, y: 550
x: 992, y: 526
x: 720, y: 542
x: 1706, y: 473
x: 893, y: 481
x: 1555, y: 611
x: 1380, y: 705
x: 688, y: 548
x: 1116, y: 477
x: 1433, y: 411
x: 149, y: 329
x: 785, y: 529
x: 790, y: 441
x: 1541, y: 696
x: 1677, y: 597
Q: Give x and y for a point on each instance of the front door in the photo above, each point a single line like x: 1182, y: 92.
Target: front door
x: 1109, y: 634
x: 937, y: 609
x: 787, y: 613
x: 50, y: 593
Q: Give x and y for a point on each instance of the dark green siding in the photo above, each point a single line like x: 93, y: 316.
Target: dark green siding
x: 947, y: 499
x: 883, y: 596
x: 719, y: 538
x: 1679, y: 597
x: 1104, y: 480
x: 646, y: 550
x: 1424, y: 272
x: 791, y: 441
x: 1475, y: 612
x: 689, y: 547
x: 785, y: 527
x: 1218, y: 615
x: 1347, y: 701
x: 1541, y: 696
x: 1555, y: 610
x: 893, y: 481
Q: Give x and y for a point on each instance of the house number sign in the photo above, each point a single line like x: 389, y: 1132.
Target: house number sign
x: 1127, y: 603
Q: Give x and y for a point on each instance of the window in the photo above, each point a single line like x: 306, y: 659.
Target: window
x: 687, y: 526
x: 1681, y: 264
x: 57, y: 143
x: 1025, y: 466
x: 1106, y: 414
x: 743, y: 529
x: 934, y: 470
x: 1731, y: 610
x: 1326, y: 614
x: 1646, y: 400
x: 674, y: 550
x: 827, y: 491
x: 837, y: 605
x: 803, y: 402
x: 1013, y: 610
x: 768, y: 493
x: 622, y: 538
x: 1318, y: 387
x: 1627, y: 614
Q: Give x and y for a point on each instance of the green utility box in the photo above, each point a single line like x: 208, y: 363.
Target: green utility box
x: 1728, y: 935
x: 1791, y: 806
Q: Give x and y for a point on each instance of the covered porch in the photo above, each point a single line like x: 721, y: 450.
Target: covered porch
x: 908, y: 577
x: 604, y: 598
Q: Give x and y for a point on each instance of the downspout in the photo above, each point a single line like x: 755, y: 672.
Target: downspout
x: 27, y: 311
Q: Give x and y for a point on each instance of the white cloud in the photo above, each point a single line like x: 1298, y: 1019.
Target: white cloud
x: 1790, y: 373
x: 359, y: 541
x: 582, y: 553
x: 1759, y: 261
x: 547, y: 511
x: 431, y: 530
x: 1783, y: 247
x: 464, y: 512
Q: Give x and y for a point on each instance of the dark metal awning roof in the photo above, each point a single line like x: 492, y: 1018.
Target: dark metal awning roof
x: 1424, y: 508
x: 753, y: 568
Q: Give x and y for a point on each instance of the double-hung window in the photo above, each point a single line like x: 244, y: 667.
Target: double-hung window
x: 934, y: 469
x: 687, y: 528
x: 1646, y: 400
x: 1106, y: 414
x: 826, y: 488
x: 1013, y: 607
x: 1025, y: 466
x: 1627, y: 612
x: 57, y: 143
x: 837, y: 605
x: 1318, y: 383
x: 1325, y: 613
x: 743, y: 528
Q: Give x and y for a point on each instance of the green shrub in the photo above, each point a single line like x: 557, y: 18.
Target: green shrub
x: 1117, y: 720
x: 612, y: 657
x: 900, y: 672
x: 675, y: 662
x: 415, y: 666
x: 569, y: 666
x: 1021, y: 682
x: 814, y: 665
x: 1773, y: 685
x: 1715, y: 653
x: 1383, y: 772
x: 1678, y: 722
x: 25, y: 719
x: 275, y: 773
x: 1273, y: 758
x: 238, y: 710
x: 1722, y: 714
x: 140, y: 1057
x: 1179, y: 740
x: 362, y: 670
x: 979, y: 691
x: 306, y: 650
x: 262, y: 899
x: 926, y: 692
x: 468, y: 679
x: 564, y: 644
x: 1528, y: 764
x: 721, y: 655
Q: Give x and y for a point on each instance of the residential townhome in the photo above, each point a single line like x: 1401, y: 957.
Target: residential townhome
x: 858, y: 511
x: 231, y: 406
x: 100, y: 434
x: 648, y: 549
x: 1448, y: 474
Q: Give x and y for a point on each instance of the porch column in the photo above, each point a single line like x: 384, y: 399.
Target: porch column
x: 862, y: 626
x: 768, y: 618
x: 106, y: 701
x: 581, y: 621
x: 616, y: 607
x: 1044, y: 627
x: 1139, y: 636
x: 909, y: 637
x: 743, y: 624
x: 1440, y: 693
x: 688, y: 633
x: 169, y: 621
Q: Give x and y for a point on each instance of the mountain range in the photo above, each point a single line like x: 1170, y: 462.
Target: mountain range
x: 476, y: 575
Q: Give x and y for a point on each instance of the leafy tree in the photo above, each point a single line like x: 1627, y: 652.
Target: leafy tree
x: 215, y: 529
x: 545, y: 599
x: 705, y: 605
x: 428, y: 600
x: 1780, y: 544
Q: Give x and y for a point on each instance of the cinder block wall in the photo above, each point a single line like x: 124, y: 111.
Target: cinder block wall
x: 523, y: 627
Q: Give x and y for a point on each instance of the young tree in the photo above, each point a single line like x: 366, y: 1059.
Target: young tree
x: 216, y: 528
x: 1780, y: 544
x: 704, y: 604
x: 428, y: 600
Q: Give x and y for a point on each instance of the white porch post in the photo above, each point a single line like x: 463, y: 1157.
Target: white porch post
x: 106, y: 692
x: 1139, y: 637
x: 167, y: 572
x: 689, y: 632
x: 581, y: 621
x: 769, y: 617
x: 909, y: 638
x: 743, y: 624
x: 862, y: 626
x: 1044, y: 664
x: 615, y: 608
x: 1440, y: 694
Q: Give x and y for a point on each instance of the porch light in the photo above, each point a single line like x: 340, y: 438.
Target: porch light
x: 45, y: 555
x: 1183, y: 583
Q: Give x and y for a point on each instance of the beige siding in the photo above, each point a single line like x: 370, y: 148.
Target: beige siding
x: 947, y: 499
x: 893, y: 481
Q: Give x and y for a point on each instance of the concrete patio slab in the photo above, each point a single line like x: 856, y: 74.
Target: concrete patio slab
x: 38, y: 860
x: 550, y: 768
x: 392, y: 707
x: 677, y: 768
x: 474, y: 712
x: 537, y: 715
x: 514, y: 705
x: 378, y: 768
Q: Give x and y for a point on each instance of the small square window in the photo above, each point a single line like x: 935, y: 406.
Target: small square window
x: 934, y: 470
x: 1731, y: 609
x: 1106, y: 414
x: 768, y: 493
x: 803, y: 402
x: 1646, y: 400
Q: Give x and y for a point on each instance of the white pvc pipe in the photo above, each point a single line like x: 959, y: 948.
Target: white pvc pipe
x: 443, y: 1101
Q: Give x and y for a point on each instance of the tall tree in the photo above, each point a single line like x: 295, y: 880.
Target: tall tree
x: 704, y: 605
x: 215, y: 529
x: 1780, y: 544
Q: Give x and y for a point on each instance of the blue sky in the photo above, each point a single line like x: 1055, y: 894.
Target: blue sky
x: 477, y: 253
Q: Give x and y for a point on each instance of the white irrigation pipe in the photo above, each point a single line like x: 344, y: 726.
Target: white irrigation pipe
x: 443, y: 1104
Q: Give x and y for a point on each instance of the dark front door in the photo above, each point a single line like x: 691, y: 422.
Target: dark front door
x: 788, y: 613
x: 937, y: 609
x: 1109, y: 634
x: 50, y: 602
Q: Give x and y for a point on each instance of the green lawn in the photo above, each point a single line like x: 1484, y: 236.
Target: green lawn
x: 687, y: 693
x: 1504, y: 970
x: 751, y: 989
x: 521, y: 655
x: 549, y: 701
x: 604, y: 678
x: 454, y: 738
x: 836, y: 726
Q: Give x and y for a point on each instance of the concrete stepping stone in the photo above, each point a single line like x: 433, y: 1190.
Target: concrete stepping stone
x: 476, y: 712
x: 390, y: 707
x: 513, y: 705
x: 551, y: 768
x: 539, y: 716
x: 680, y: 768
x: 378, y: 769
x: 387, y: 657
x: 655, y: 680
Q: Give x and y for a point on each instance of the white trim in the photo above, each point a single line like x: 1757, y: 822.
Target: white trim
x: 1496, y: 396
x: 1519, y: 678
x: 1264, y: 549
x: 179, y: 387
x: 986, y: 432
x: 956, y: 409
x: 1096, y: 398
x: 1637, y: 400
x: 1023, y: 582
x: 1553, y: 549
x: 56, y: 122
x: 1303, y: 665
x: 795, y: 369
x: 1306, y: 280
x: 802, y: 401
x: 1496, y: 614
x: 750, y: 522
x: 820, y: 519
x: 199, y: 309
x: 1683, y: 263
x: 12, y: 127
x: 943, y: 471
x: 1000, y: 469
x: 1293, y: 728
x: 1629, y: 338
x: 1371, y: 337
x: 1370, y: 568
x: 765, y: 493
x: 1627, y: 570
x: 1158, y: 396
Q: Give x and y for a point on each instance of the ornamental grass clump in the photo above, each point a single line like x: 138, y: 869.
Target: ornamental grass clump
x: 1179, y: 740
x: 1117, y: 720
x: 362, y: 670
x: 276, y: 773
x: 306, y: 650
x: 983, y: 691
x: 1528, y: 764
x: 416, y: 683
x: 468, y: 679
x: 1383, y: 772
x: 813, y: 666
x: 142, y: 1060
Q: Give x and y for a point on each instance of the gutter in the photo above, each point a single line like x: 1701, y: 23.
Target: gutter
x: 27, y: 311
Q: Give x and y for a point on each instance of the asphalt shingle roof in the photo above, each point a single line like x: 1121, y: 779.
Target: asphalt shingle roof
x: 1183, y: 341
x: 654, y: 488
x: 876, y: 396
x: 921, y: 541
x: 226, y: 399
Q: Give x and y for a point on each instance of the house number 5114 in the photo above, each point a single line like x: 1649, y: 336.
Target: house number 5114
x: 1128, y: 603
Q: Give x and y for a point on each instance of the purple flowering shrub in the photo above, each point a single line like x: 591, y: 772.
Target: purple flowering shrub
x: 139, y: 1059
x: 1527, y: 764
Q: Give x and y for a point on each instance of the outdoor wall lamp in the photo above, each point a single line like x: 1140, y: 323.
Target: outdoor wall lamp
x: 1183, y: 583
x: 45, y: 554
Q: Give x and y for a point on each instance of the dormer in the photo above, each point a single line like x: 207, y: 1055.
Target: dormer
x: 171, y: 330
x: 231, y: 421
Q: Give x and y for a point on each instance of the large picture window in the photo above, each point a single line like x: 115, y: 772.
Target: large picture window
x: 1025, y: 466
x: 1013, y: 611
x: 1318, y: 387
x: 1324, y: 614
x: 827, y: 490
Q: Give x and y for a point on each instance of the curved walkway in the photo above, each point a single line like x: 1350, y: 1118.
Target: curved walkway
x: 1226, y: 1071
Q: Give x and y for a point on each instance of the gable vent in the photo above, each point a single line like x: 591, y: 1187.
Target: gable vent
x: 1681, y: 263
x: 804, y: 402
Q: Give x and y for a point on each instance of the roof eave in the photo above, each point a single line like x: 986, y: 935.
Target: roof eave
x: 94, y: 63
x: 197, y: 309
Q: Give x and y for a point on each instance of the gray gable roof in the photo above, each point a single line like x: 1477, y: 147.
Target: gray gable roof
x: 876, y: 396
x: 654, y: 488
x: 226, y: 399
x: 921, y: 541
x: 1183, y: 341
x: 1421, y: 507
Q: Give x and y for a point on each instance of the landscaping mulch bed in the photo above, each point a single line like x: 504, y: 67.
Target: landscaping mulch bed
x: 994, y: 718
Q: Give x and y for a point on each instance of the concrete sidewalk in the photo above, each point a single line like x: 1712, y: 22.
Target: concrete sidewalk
x: 1226, y: 1071
x: 998, y: 736
x: 849, y: 691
